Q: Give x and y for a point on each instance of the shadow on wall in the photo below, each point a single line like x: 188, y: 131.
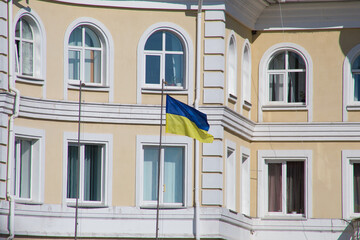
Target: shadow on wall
x: 348, y: 39
x: 352, y: 231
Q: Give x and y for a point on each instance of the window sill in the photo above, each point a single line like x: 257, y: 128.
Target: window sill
x: 162, y: 206
x: 285, y: 217
x: 354, y: 107
x: 85, y: 87
x: 232, y: 98
x: 285, y: 107
x: 247, y: 105
x: 166, y: 90
x: 31, y: 80
x: 27, y: 201
x: 87, y: 205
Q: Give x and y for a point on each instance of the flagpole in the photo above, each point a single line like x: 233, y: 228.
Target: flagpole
x: 159, y: 165
x: 78, y: 167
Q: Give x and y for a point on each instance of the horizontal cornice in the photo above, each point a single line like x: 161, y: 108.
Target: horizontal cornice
x: 217, y: 116
x: 6, y: 103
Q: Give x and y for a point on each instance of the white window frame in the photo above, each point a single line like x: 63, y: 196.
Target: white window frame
x: 37, y: 136
x: 277, y: 156
x: 245, y: 190
x: 184, y: 37
x: 39, y: 48
x: 232, y: 63
x: 230, y: 187
x: 149, y: 140
x: 246, y: 76
x: 264, y: 103
x: 106, y: 140
x: 107, y: 58
x: 348, y: 158
x: 348, y: 83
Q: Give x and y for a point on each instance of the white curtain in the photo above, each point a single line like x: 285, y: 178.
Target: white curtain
x: 25, y: 169
x: 173, y: 175
x: 151, y: 156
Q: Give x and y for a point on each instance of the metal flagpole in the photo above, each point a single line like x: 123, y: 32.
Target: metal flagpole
x: 78, y: 166
x: 159, y: 165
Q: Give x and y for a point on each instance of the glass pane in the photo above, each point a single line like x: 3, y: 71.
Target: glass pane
x: 26, y: 30
x: 152, y: 70
x: 17, y: 55
x: 76, y: 37
x: 174, y: 69
x: 296, y: 87
x: 151, y: 157
x: 357, y: 187
x: 172, y: 43
x: 17, y: 29
x: 296, y: 61
x: 356, y: 63
x: 154, y: 42
x: 295, y: 192
x: 92, y: 173
x: 93, y: 66
x: 74, y: 65
x: 276, y: 92
x: 25, y: 169
x: 278, y: 61
x: 72, y: 171
x: 91, y: 39
x: 275, y: 187
x: 27, y: 59
x: 174, y: 175
x: 356, y: 87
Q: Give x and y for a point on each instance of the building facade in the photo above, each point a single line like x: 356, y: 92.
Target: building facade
x: 278, y: 80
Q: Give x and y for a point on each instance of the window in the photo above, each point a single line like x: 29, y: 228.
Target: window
x: 85, y: 56
x: 164, y: 59
x: 29, y: 47
x: 284, y: 185
x: 231, y: 68
x: 231, y: 176
x: 351, y: 183
x: 246, y: 75
x: 355, y: 71
x: 94, y: 157
x: 174, y: 172
x: 91, y: 172
x: 287, y: 78
x: 245, y: 180
x: 27, y: 167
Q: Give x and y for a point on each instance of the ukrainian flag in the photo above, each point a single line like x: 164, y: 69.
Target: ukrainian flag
x: 184, y: 120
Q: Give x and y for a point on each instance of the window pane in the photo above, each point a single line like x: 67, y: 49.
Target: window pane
x: 174, y: 68
x: 17, y: 29
x: 275, y: 187
x: 357, y: 187
x: 152, y: 70
x: 17, y: 55
x: 72, y: 171
x: 278, y: 61
x: 154, y: 42
x: 356, y: 87
x: 27, y: 58
x: 295, y: 187
x: 76, y: 37
x: 74, y: 65
x: 356, y: 63
x: 174, y: 175
x: 26, y: 30
x: 92, y: 173
x: 296, y: 87
x: 172, y: 43
x: 93, y: 66
x: 276, y: 92
x: 151, y: 157
x: 296, y: 61
x: 91, y: 39
x: 25, y: 169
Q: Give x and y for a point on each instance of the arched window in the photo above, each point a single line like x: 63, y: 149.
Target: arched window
x: 286, y: 74
x: 355, y: 71
x: 85, y: 56
x: 246, y: 75
x: 29, y: 47
x: 231, y: 68
x: 164, y: 60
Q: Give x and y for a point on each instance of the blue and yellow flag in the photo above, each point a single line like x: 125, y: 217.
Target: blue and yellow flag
x: 184, y: 120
